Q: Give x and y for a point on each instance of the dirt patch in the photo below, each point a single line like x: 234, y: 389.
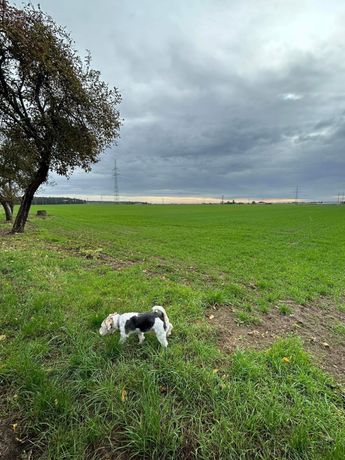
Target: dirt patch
x: 5, y: 231
x: 96, y: 256
x: 313, y: 323
x: 116, y: 264
x: 10, y: 448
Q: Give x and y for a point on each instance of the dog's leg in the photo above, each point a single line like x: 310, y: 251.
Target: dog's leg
x: 141, y: 337
x: 160, y: 332
x: 170, y: 328
x: 123, y: 338
x: 123, y: 334
x: 163, y: 340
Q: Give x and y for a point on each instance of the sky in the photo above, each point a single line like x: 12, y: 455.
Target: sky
x: 244, y: 99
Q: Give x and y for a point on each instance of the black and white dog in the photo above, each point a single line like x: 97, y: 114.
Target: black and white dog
x: 156, y: 321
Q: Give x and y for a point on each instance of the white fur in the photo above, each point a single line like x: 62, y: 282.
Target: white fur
x: 116, y: 321
x: 166, y: 319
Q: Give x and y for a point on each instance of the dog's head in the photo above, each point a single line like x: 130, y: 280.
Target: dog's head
x: 110, y: 324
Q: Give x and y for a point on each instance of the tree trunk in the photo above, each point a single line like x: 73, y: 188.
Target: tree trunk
x: 25, y: 205
x: 8, y: 210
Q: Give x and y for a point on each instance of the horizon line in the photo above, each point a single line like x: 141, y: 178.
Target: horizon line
x: 173, y: 199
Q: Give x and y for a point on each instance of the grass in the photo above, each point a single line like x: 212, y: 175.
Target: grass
x: 285, y: 309
x: 339, y: 328
x: 76, y: 395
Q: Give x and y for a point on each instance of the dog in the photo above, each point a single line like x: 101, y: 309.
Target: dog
x: 156, y: 321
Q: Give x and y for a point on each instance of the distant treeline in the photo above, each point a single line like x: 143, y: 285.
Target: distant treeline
x: 56, y: 200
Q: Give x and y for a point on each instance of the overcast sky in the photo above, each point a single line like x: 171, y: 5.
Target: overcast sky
x: 220, y: 97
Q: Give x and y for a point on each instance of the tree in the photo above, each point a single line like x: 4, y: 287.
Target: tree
x: 57, y: 105
x: 7, y: 201
x: 8, y: 196
x: 16, y: 169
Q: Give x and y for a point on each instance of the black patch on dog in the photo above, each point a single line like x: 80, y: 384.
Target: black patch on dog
x: 143, y: 321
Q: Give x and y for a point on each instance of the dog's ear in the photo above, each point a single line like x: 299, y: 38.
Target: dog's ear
x: 109, y: 322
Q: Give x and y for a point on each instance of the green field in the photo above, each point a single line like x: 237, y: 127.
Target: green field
x: 72, y: 394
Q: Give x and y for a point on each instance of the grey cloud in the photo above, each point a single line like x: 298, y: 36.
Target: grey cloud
x: 218, y: 98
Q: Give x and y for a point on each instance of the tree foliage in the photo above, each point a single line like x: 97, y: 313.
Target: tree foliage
x: 63, y: 114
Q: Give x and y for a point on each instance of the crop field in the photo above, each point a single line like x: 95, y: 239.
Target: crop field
x: 255, y: 367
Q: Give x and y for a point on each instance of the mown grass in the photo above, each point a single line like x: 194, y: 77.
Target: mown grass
x: 77, y: 395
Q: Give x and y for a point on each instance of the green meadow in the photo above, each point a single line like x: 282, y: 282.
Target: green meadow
x: 68, y: 393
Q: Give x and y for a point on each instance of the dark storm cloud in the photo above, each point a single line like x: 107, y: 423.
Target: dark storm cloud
x: 240, y: 100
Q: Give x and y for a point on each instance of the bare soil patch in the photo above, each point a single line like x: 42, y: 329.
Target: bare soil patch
x: 97, y: 256
x: 116, y: 264
x: 313, y: 323
x: 10, y: 448
x: 5, y: 231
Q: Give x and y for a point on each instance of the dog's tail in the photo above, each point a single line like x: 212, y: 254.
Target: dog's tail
x: 160, y: 309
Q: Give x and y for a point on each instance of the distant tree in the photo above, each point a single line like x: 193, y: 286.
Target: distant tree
x: 57, y: 105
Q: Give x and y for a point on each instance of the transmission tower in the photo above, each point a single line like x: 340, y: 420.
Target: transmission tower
x: 116, y: 185
x: 296, y: 194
